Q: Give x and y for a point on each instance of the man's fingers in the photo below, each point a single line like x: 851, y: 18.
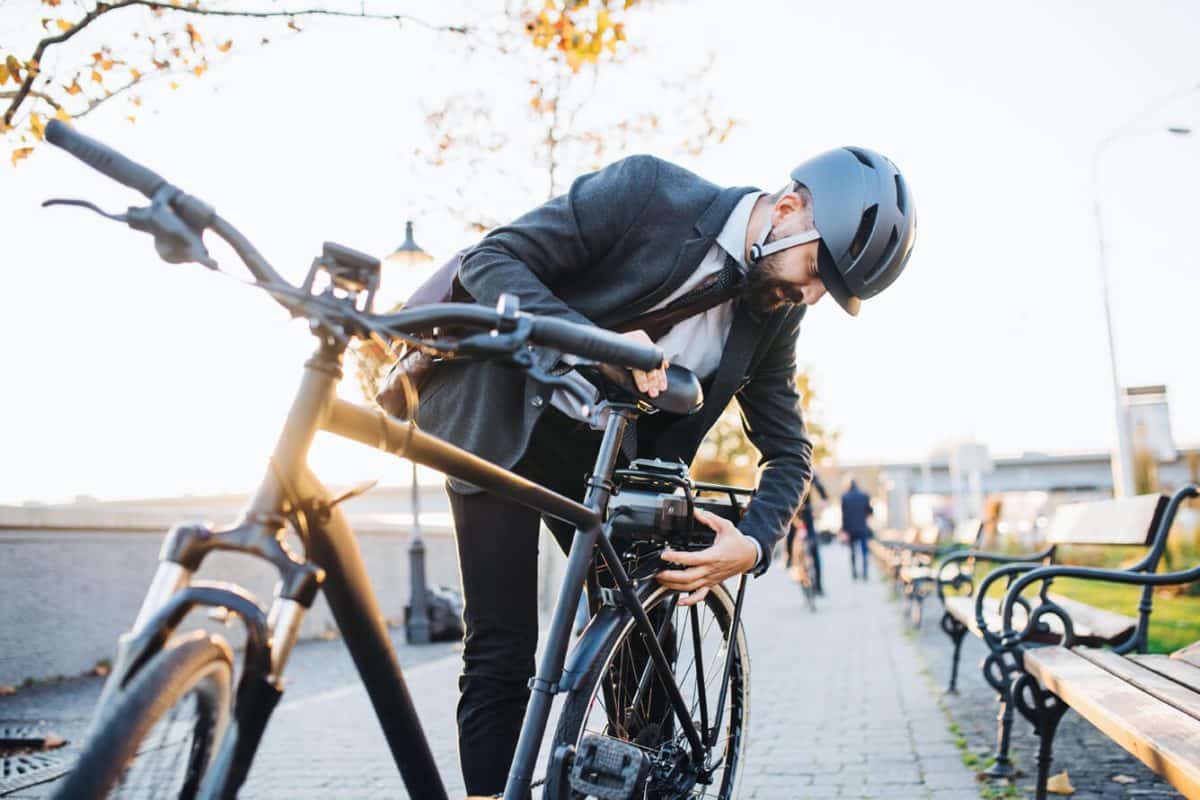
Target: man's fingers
x: 711, y: 520
x: 678, y: 577
x: 685, y: 557
x: 692, y: 598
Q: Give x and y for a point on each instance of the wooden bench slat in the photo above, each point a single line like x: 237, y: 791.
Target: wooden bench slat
x: 1160, y: 736
x: 1178, y: 671
x: 1189, y: 654
x: 1149, y: 681
x: 1093, y: 624
x: 1128, y: 520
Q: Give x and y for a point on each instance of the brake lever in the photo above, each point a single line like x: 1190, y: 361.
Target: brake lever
x: 64, y: 201
x: 175, y: 240
x: 582, y: 401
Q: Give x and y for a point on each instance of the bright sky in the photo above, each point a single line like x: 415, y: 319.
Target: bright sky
x: 129, y: 377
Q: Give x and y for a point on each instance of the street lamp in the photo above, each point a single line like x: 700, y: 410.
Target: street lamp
x: 416, y: 626
x: 1122, y: 462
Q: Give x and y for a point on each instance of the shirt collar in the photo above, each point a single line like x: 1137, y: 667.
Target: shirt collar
x: 732, y: 237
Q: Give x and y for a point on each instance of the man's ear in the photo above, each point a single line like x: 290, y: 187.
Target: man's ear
x: 788, y: 204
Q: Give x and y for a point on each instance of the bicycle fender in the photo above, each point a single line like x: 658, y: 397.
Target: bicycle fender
x: 607, y: 621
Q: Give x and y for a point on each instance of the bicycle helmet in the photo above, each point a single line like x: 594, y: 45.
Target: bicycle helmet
x: 864, y: 217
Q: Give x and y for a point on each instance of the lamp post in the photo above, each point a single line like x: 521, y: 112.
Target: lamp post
x: 1122, y: 461
x: 416, y: 627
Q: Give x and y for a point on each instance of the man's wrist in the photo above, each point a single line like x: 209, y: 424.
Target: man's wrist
x: 758, y: 553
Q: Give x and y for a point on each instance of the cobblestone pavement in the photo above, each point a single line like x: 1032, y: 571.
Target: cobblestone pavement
x: 841, y: 708
x: 840, y: 704
x: 1090, y: 759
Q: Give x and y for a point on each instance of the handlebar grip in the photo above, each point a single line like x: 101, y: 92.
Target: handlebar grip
x: 103, y: 158
x: 595, y: 343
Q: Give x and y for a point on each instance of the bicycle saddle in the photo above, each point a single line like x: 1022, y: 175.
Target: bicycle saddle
x: 683, y: 394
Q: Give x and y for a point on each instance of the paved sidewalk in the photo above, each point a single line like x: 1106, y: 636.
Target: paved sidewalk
x: 840, y: 704
x: 840, y: 708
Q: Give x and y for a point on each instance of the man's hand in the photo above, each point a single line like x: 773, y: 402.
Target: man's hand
x: 732, y: 553
x: 652, y: 382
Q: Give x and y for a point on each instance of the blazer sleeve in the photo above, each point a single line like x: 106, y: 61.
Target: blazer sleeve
x: 770, y: 408
x: 560, y: 240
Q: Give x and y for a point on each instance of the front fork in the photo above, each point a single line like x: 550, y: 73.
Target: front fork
x: 270, y: 636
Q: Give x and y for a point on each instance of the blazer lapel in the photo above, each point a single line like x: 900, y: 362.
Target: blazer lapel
x: 688, y: 259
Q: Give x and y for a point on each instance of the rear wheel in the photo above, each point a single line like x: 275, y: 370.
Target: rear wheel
x: 606, y: 703
x: 159, y: 735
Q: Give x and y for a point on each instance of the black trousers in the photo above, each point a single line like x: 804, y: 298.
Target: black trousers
x: 498, y: 556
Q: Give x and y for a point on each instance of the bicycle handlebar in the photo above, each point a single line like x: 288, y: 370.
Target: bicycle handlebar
x: 595, y: 343
x: 582, y: 340
x: 103, y: 158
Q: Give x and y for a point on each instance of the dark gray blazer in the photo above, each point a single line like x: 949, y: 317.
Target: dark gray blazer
x: 618, y: 242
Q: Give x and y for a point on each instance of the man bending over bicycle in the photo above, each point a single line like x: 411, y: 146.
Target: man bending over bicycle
x: 623, y: 244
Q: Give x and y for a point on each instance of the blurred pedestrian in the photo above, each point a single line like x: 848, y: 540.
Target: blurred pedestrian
x: 856, y: 508
x: 809, y: 532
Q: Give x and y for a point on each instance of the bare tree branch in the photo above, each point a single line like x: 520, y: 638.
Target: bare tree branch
x: 39, y: 95
x: 31, y: 73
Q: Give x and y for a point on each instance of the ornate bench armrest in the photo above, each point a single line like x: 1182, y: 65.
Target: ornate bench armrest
x: 962, y: 576
x: 1137, y: 575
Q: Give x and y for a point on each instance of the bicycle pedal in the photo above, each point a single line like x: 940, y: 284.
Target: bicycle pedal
x: 608, y: 769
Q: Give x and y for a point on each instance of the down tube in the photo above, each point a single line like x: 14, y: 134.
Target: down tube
x: 352, y: 599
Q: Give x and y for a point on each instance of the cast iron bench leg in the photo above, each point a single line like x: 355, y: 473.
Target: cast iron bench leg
x: 956, y: 631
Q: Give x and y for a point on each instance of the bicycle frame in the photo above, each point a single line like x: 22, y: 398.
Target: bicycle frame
x: 291, y: 492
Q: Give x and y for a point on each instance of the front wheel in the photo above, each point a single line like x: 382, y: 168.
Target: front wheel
x: 159, y: 734
x: 607, y: 701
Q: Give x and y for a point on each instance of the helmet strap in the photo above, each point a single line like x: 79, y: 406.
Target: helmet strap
x: 760, y: 249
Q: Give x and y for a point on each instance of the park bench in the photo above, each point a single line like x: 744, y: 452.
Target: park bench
x: 893, y: 550
x: 1132, y: 522
x: 1147, y: 704
x: 917, y: 575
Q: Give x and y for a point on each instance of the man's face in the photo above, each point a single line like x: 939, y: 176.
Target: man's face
x: 789, y: 276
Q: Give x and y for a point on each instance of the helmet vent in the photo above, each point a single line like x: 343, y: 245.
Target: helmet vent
x: 884, y: 259
x: 864, y: 231
x: 862, y: 157
x: 900, y: 198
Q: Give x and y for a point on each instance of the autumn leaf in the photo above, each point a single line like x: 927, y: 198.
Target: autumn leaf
x: 63, y: 25
x: 20, y: 153
x: 224, y: 48
x: 199, y: 70
x: 14, y: 67
x: 37, y: 126
x: 174, y: 85
x: 97, y: 77
x: 52, y: 3
x: 132, y: 119
x: 292, y: 24
x: 194, y: 36
x: 74, y: 88
x: 3, y: 74
x: 62, y: 115
x: 1060, y: 784
x: 135, y: 74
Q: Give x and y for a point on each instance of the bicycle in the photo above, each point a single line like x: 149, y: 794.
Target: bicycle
x: 804, y: 569
x: 640, y: 718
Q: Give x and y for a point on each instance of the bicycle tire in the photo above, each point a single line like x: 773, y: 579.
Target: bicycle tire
x: 196, y: 665
x: 572, y: 723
